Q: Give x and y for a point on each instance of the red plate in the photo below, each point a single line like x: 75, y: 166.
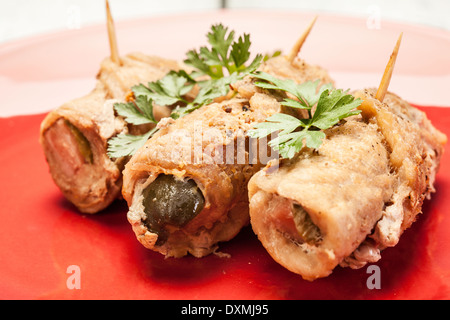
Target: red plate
x: 43, y: 236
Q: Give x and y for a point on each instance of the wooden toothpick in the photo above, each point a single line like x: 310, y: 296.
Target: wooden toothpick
x: 112, y: 35
x: 384, y: 85
x: 298, y: 45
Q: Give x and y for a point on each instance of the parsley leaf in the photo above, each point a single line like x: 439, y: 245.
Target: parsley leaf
x: 209, y: 90
x: 307, y: 93
x: 124, y: 145
x: 224, y: 63
x: 225, y: 54
x: 289, y: 144
x: 332, y: 105
x: 138, y: 112
x: 274, y: 54
x: 168, y: 90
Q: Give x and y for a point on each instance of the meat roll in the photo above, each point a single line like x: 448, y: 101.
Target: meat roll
x: 74, y: 136
x: 354, y: 196
x: 187, y: 187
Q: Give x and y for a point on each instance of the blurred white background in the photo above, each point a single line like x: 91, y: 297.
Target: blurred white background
x: 25, y: 18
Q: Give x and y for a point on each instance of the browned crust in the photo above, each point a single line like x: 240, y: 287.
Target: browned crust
x: 224, y: 186
x: 412, y: 148
x: 96, y: 185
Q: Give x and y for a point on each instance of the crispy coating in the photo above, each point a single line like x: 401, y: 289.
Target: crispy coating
x: 211, y: 147
x: 362, y: 188
x: 92, y: 186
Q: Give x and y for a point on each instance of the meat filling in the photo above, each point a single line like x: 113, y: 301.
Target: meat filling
x: 68, y: 146
x: 295, y: 224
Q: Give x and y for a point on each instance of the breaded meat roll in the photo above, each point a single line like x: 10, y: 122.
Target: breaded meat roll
x: 352, y: 197
x: 74, y: 136
x: 187, y: 187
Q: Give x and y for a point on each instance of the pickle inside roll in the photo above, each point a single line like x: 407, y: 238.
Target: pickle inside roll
x: 68, y: 143
x: 306, y: 229
x: 206, y: 141
x: 74, y: 136
x: 171, y: 201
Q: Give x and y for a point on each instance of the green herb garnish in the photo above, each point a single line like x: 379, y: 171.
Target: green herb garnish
x: 138, y: 112
x: 124, y: 145
x: 224, y: 56
x: 274, y: 54
x: 223, y: 63
x: 332, y: 105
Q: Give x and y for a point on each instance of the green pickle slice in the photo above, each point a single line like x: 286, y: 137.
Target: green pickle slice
x: 171, y: 201
x: 83, y: 144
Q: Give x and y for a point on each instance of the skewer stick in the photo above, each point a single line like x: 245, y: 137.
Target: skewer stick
x: 112, y: 35
x: 382, y: 89
x: 298, y: 45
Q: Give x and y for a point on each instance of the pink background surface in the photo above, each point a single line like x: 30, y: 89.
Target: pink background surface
x: 58, y: 67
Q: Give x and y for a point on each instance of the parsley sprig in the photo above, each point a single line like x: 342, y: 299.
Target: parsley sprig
x: 138, y: 112
x: 332, y: 105
x: 223, y: 63
x: 224, y: 56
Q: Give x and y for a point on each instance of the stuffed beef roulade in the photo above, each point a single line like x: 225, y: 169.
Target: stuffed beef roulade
x: 187, y: 187
x: 341, y: 202
x: 74, y: 136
